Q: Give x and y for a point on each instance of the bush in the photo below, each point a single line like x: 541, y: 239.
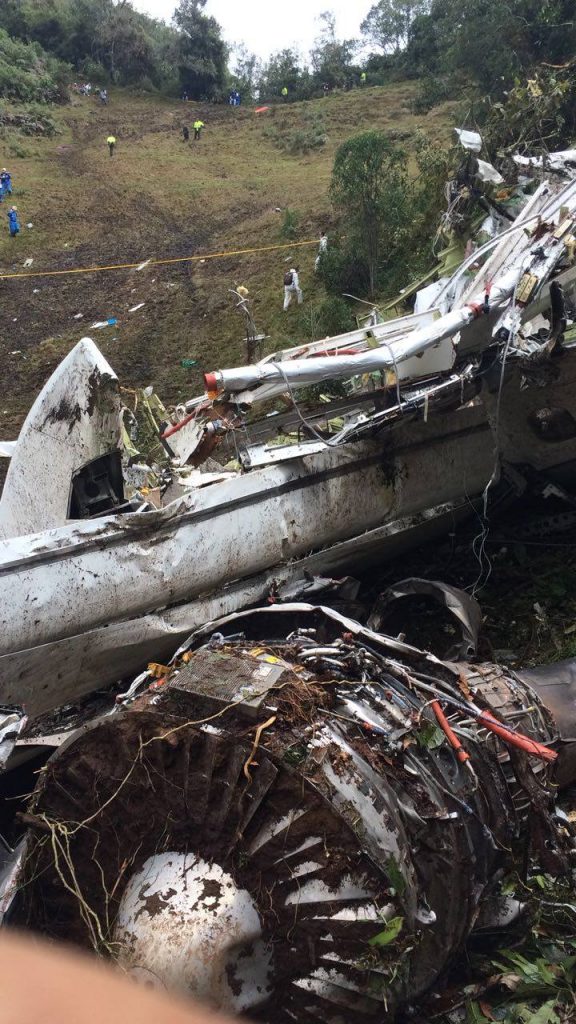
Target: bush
x: 289, y: 227
x: 326, y: 319
x: 431, y: 92
x: 32, y: 122
x: 342, y: 270
x: 298, y: 140
x: 30, y: 75
x: 16, y: 149
x: 92, y: 71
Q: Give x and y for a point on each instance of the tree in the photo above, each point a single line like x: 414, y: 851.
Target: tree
x: 284, y: 69
x: 100, y: 38
x: 246, y: 72
x: 331, y: 57
x: 370, y: 187
x: 387, y: 24
x: 29, y: 74
x: 489, y: 42
x: 202, y: 51
x: 122, y: 45
x: 460, y: 24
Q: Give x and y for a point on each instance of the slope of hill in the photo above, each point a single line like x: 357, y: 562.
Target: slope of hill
x: 159, y: 197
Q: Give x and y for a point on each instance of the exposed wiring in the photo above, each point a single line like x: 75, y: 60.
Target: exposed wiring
x: 479, y: 542
x: 334, y: 443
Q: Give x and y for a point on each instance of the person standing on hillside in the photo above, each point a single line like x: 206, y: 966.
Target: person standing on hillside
x: 198, y: 126
x: 321, y: 249
x: 185, y: 133
x: 292, y: 287
x: 13, y: 225
x: 111, y: 140
x: 363, y: 78
x: 5, y: 183
x: 284, y: 93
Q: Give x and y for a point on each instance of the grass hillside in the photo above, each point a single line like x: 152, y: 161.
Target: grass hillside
x: 158, y: 197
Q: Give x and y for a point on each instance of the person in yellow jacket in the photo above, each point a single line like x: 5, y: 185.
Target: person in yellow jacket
x: 284, y: 92
x: 111, y: 143
x: 198, y: 126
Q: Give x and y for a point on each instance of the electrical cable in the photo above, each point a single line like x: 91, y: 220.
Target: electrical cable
x: 305, y: 423
x: 334, y: 443
x: 479, y: 542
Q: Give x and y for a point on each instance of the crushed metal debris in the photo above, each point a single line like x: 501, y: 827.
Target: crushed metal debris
x: 295, y: 816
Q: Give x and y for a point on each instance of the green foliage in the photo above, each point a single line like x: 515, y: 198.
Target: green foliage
x: 123, y: 46
x: 388, y: 22
x: 432, y: 91
x: 301, y: 138
x: 326, y: 319
x: 343, y: 269
x: 435, y: 166
x: 284, y: 70
x: 534, y: 982
x: 28, y: 74
x: 430, y: 736
x: 489, y: 42
x: 395, y: 875
x: 289, y: 228
x: 537, y: 115
x: 104, y: 40
x: 387, y: 218
x: 331, y: 65
x: 371, y: 189
x: 202, y: 53
x: 331, y: 58
x: 246, y: 72
x: 389, y: 933
x: 486, y: 43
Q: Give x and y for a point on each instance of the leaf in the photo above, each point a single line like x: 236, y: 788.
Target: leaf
x: 430, y: 736
x: 547, y: 972
x: 510, y: 981
x: 389, y: 933
x: 474, y: 1014
x: 508, y: 886
x: 487, y: 1011
x: 545, y: 1015
x: 395, y: 875
x: 529, y: 971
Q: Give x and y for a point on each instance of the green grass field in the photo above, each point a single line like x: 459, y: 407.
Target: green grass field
x: 160, y: 198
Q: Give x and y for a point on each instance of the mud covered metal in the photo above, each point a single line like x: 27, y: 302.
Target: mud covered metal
x: 185, y: 924
x: 75, y: 420
x: 290, y: 761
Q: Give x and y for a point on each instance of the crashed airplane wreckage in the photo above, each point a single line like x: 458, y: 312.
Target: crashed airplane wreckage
x: 432, y: 408
x: 299, y: 819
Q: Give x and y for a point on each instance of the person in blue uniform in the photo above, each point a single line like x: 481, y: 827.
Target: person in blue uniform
x: 13, y: 224
x: 5, y: 182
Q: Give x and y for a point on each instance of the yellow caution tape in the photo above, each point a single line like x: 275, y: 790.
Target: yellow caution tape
x: 158, y: 263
